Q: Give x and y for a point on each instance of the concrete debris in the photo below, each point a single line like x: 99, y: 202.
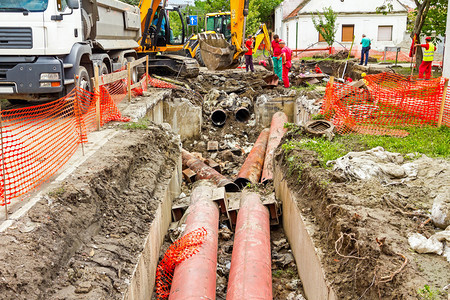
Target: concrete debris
x: 282, y: 260
x: 440, y: 212
x: 295, y: 296
x: 213, y: 146
x: 438, y: 243
x: 388, y: 167
x: 293, y: 285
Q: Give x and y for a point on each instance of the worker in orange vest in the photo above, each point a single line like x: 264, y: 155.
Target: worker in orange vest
x: 428, y: 56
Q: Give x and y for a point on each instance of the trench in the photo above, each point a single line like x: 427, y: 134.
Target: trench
x: 107, y: 227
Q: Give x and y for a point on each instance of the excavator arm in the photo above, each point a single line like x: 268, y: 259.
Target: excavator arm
x: 216, y: 52
x: 239, y: 13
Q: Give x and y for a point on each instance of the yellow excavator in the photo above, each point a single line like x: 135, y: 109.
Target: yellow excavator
x: 218, y: 53
x: 161, y: 41
x: 220, y: 23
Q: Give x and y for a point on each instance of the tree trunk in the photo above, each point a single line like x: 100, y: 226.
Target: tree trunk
x: 422, y: 11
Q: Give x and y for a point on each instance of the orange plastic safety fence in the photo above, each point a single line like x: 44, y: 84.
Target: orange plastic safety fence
x: 179, y: 251
x: 389, y: 101
x: 38, y: 140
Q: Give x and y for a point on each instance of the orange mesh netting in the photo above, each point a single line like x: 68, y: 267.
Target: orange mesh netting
x: 38, y: 140
x: 389, y: 101
x: 179, y: 251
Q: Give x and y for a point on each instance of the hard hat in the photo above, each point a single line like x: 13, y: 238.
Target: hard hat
x: 363, y: 75
x: 428, y: 38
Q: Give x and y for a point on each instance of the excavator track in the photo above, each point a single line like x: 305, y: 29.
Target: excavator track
x: 189, y: 66
x: 174, y: 64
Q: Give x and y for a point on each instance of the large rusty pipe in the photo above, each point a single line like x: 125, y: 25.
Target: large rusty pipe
x: 250, y: 273
x: 242, y: 114
x: 206, y: 172
x: 251, y: 169
x: 195, y: 278
x: 218, y: 117
x: 277, y: 131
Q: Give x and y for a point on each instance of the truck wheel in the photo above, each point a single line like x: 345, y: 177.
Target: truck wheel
x: 134, y: 72
x: 84, y: 83
x: 198, y: 57
x: 103, y: 69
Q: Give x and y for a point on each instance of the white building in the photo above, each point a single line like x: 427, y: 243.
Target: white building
x: 355, y: 17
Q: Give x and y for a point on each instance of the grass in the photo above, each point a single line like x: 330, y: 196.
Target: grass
x: 431, y: 141
x: 428, y: 293
x: 142, y: 124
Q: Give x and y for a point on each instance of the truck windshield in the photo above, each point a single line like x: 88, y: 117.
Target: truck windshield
x: 23, y: 5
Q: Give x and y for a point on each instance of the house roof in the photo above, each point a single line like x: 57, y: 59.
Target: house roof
x: 344, y: 7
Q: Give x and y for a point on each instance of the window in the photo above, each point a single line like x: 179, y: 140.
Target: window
x: 321, y: 39
x: 61, y: 4
x: 385, y: 33
x: 348, y: 33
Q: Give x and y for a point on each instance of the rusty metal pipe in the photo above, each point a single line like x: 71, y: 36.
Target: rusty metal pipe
x: 206, y: 172
x: 195, y: 278
x: 251, y: 169
x: 277, y: 131
x: 242, y: 114
x: 250, y: 273
x: 218, y: 117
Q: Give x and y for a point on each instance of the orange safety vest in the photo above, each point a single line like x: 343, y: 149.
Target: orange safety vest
x: 428, y: 55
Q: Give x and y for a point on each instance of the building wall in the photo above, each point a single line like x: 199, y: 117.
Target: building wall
x: 278, y: 20
x: 367, y: 24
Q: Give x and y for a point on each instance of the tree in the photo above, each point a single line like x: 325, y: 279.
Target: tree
x: 326, y: 26
x: 421, y: 19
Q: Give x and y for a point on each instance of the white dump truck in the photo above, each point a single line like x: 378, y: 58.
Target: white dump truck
x: 44, y: 44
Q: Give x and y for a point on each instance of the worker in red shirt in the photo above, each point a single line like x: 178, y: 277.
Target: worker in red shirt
x: 428, y: 56
x: 249, y: 54
x: 317, y: 69
x: 286, y: 55
x: 276, y: 56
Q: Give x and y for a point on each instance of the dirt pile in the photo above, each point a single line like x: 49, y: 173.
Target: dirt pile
x: 83, y: 240
x: 361, y: 227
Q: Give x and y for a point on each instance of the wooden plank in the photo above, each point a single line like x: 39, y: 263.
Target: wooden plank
x: 129, y: 81
x: 97, y: 97
x: 138, y: 62
x: 109, y: 78
x: 137, y: 84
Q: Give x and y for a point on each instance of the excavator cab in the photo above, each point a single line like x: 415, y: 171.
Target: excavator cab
x: 219, y: 23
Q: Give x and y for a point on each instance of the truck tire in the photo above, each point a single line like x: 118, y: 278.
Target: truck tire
x: 134, y: 72
x: 87, y: 26
x: 103, y: 69
x: 198, y: 57
x: 84, y: 83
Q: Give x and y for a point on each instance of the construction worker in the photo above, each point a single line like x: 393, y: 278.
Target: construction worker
x: 286, y: 55
x: 276, y: 56
x: 428, y: 56
x: 249, y: 54
x: 365, y: 48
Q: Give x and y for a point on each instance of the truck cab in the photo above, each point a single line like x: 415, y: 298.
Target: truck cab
x: 44, y: 44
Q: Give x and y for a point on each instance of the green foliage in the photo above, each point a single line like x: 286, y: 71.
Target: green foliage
x: 431, y: 141
x: 427, y: 293
x: 385, y: 8
x: 132, y: 2
x: 142, y: 124
x: 325, y: 24
x: 435, y: 20
x: 260, y: 11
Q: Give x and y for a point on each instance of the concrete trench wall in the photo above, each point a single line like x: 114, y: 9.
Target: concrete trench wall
x: 143, y: 278
x: 308, y: 262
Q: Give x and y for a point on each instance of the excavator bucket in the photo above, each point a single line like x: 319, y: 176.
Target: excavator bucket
x: 217, y: 53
